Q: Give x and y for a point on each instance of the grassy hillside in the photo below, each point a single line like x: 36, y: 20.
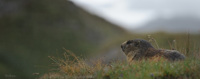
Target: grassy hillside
x: 155, y: 68
x: 32, y: 30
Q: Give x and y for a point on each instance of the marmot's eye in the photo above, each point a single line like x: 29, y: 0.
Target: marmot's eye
x: 137, y: 43
x: 128, y: 42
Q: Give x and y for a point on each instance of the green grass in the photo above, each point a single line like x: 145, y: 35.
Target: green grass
x: 72, y: 66
x: 147, y: 69
x: 155, y: 68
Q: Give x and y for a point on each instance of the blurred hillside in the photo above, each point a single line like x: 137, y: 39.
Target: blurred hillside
x: 178, y: 24
x: 32, y: 30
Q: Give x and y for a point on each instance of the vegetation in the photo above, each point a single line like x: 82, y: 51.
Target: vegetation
x: 156, y: 68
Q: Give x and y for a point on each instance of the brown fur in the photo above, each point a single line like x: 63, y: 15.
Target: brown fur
x: 138, y: 49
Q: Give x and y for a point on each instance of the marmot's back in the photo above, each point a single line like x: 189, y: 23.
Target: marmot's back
x: 173, y: 55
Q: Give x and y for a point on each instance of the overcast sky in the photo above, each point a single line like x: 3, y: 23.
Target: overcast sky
x: 131, y: 14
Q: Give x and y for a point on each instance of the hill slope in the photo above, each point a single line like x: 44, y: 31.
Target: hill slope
x: 179, y: 24
x: 32, y: 30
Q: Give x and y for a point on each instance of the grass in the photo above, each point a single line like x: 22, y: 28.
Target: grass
x: 155, y: 68
x: 72, y: 66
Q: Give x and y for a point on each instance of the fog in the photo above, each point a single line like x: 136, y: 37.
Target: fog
x: 136, y: 14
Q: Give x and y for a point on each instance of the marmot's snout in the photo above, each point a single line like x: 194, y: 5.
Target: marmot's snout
x: 123, y: 45
x: 126, y: 45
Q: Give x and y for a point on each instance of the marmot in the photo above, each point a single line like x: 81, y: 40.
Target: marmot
x: 138, y: 49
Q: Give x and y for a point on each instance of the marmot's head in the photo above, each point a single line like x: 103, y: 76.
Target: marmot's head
x: 135, y: 45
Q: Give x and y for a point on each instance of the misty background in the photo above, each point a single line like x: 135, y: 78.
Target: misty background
x: 33, y: 30
x: 148, y: 16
